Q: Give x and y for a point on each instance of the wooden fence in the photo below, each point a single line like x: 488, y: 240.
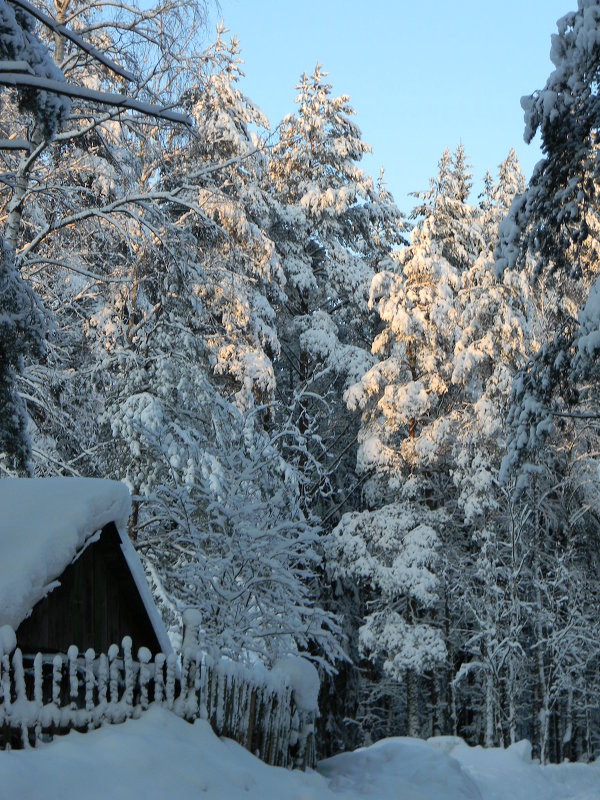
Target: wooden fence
x: 43, y: 696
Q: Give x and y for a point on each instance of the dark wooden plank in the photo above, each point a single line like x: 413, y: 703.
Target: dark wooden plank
x: 96, y: 605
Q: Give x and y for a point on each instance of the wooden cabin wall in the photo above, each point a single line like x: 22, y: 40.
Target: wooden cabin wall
x: 96, y: 605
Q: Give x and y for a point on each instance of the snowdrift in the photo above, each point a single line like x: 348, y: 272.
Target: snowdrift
x: 160, y: 756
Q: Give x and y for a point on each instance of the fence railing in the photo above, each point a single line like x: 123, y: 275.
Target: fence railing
x: 43, y: 696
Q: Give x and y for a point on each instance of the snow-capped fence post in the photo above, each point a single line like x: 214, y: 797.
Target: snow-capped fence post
x: 192, y: 622
x: 89, y: 686
x: 38, y: 678
x: 204, y: 686
x: 113, y: 674
x: 170, y: 680
x: 159, y: 679
x: 54, y: 710
x: 270, y: 713
x: 144, y: 658
x: 20, y: 695
x: 8, y: 643
x: 126, y: 644
x: 102, y: 683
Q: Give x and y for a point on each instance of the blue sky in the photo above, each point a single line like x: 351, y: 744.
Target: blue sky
x: 421, y: 76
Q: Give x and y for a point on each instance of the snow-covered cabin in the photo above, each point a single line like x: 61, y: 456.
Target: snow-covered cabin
x: 68, y: 572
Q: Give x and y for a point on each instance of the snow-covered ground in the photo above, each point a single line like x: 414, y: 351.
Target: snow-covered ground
x: 161, y: 756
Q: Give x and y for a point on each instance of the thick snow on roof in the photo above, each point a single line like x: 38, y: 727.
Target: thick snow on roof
x: 44, y: 523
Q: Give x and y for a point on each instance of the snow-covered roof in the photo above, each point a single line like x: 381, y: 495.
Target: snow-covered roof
x: 44, y: 524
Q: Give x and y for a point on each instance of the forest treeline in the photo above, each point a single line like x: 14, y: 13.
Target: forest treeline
x: 361, y: 436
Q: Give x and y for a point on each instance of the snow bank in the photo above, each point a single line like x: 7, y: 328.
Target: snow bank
x: 502, y: 774
x: 399, y: 768
x: 159, y: 756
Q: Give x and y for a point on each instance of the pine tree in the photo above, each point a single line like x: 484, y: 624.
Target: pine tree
x: 551, y: 232
x: 222, y: 169
x: 432, y: 429
x: 409, y: 403
x: 332, y: 231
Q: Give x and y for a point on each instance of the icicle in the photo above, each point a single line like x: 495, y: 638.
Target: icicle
x: 251, y: 717
x: 238, y: 708
x: 198, y: 671
x: 144, y: 657
x: 244, y: 712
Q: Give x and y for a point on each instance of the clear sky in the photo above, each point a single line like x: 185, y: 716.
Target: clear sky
x: 421, y: 75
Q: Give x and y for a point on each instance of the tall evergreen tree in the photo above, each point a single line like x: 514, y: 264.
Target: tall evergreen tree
x: 432, y: 431
x: 332, y: 232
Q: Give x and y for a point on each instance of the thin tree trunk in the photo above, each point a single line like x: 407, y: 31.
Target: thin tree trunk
x: 59, y: 41
x: 567, y: 736
x: 412, y: 703
x: 544, y: 712
x: 489, y: 710
x: 512, y: 716
x: 15, y: 208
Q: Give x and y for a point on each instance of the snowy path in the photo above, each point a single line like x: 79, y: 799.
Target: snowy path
x: 160, y: 756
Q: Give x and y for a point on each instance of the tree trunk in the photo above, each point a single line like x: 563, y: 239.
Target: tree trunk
x: 489, y: 710
x: 544, y: 712
x: 59, y: 41
x: 412, y: 703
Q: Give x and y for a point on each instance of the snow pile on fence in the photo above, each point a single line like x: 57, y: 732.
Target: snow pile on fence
x: 44, y: 696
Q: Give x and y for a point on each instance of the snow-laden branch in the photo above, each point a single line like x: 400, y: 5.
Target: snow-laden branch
x: 119, y: 205
x: 62, y: 30
x: 52, y: 262
x: 21, y: 81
